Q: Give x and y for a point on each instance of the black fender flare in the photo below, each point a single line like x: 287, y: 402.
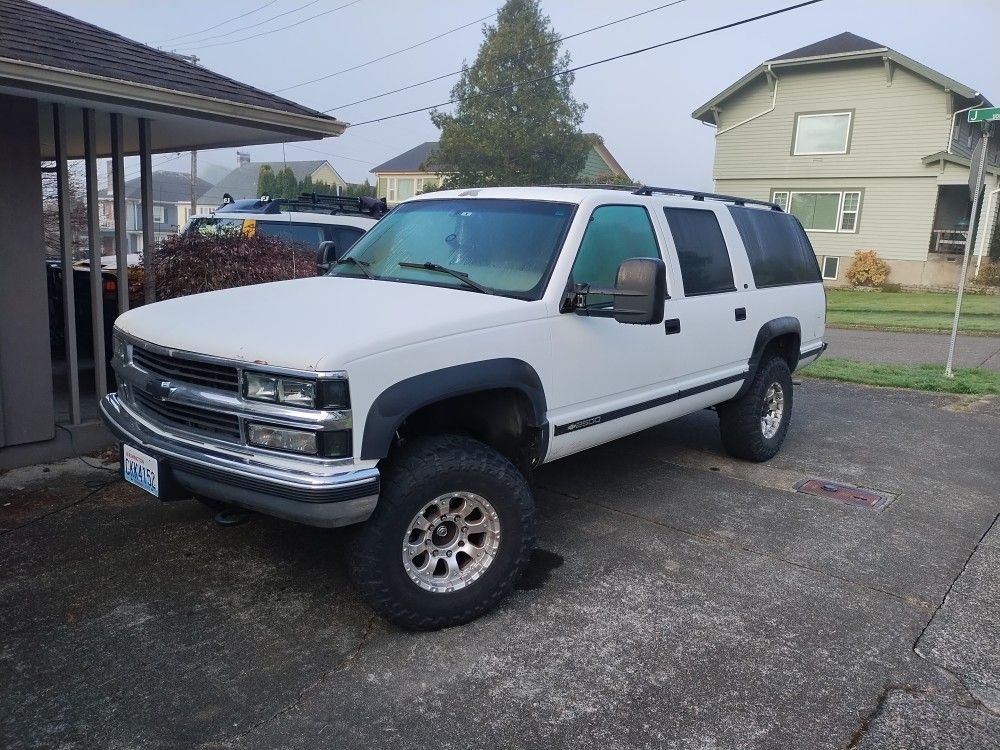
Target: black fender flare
x: 768, y: 333
x: 407, y: 396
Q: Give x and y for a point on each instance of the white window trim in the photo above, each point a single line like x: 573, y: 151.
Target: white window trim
x: 847, y: 138
x: 840, y: 207
x: 390, y: 189
x: 159, y: 215
x: 836, y: 271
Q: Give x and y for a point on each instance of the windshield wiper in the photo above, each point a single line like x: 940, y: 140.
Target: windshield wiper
x: 362, y: 264
x: 463, y: 277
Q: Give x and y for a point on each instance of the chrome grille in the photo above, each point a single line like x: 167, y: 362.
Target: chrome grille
x: 190, y: 418
x: 185, y: 370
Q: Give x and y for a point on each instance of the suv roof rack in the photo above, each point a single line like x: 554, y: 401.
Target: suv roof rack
x: 310, y: 203
x: 694, y: 194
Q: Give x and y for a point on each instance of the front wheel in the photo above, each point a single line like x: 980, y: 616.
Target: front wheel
x: 452, y: 532
x: 755, y: 424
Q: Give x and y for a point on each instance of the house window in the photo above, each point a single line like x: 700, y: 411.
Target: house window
x: 822, y: 211
x: 831, y: 266
x: 827, y: 133
x: 159, y: 215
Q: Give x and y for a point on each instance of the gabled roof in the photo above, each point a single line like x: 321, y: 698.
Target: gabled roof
x: 410, y: 161
x: 242, y: 181
x: 599, y: 160
x: 43, y: 37
x: 844, y: 46
x: 168, y: 187
x: 840, y: 44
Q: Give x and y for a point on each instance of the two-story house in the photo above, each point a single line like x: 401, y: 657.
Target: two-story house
x: 171, y: 208
x: 415, y: 171
x: 242, y: 181
x: 867, y: 147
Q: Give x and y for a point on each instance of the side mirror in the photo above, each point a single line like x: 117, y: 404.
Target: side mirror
x: 640, y: 289
x: 325, y: 257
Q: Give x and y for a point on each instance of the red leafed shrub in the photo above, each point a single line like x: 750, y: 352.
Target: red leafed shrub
x: 189, y: 264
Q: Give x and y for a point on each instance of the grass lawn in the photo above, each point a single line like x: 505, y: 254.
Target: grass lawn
x: 915, y: 311
x: 919, y: 377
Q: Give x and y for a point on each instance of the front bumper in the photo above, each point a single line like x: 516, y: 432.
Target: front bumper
x: 309, y: 497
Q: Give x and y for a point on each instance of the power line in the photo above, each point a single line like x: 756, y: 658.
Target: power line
x: 387, y: 55
x: 539, y: 79
x: 280, y: 28
x: 541, y: 46
x: 251, y: 26
x: 221, y: 23
x: 366, y: 162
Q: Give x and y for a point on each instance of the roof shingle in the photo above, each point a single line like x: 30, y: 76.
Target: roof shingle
x: 835, y: 45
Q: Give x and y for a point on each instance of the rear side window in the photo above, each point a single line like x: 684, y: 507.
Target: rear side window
x: 343, y: 237
x: 309, y: 235
x: 701, y: 250
x: 777, y: 247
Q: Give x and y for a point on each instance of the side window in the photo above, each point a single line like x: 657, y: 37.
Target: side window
x: 701, y: 250
x: 777, y: 247
x: 614, y: 234
x: 343, y: 237
x: 309, y: 235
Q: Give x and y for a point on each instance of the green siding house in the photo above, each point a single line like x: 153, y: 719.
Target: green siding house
x: 414, y: 171
x: 867, y: 147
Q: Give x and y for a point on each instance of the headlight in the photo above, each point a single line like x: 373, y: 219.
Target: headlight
x: 119, y: 349
x: 311, y: 394
x: 334, y: 444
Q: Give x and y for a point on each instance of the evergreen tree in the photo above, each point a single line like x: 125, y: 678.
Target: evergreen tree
x: 286, y: 184
x: 525, y: 133
x: 359, y: 191
x: 266, y: 182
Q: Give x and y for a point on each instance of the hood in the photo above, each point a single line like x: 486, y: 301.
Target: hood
x: 320, y: 323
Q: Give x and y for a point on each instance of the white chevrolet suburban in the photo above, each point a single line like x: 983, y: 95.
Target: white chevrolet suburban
x: 467, y: 338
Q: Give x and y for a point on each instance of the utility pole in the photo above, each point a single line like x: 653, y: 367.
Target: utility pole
x: 977, y: 174
x: 194, y: 182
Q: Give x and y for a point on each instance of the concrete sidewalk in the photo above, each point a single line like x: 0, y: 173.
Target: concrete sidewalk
x: 895, y: 347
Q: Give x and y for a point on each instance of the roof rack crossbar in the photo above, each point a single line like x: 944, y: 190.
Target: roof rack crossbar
x: 700, y: 196
x: 333, y: 204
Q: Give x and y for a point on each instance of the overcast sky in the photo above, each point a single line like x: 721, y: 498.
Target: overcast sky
x: 641, y: 105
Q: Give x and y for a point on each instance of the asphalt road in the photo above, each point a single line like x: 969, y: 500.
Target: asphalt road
x: 679, y: 600
x: 897, y: 347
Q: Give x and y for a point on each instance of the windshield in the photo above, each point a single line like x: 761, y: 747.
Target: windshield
x: 507, y: 246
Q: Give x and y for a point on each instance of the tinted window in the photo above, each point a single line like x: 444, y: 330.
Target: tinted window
x: 778, y: 248
x: 701, y: 250
x: 614, y: 234
x: 309, y: 235
x: 344, y: 237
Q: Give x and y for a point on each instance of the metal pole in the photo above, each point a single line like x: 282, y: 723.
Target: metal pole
x: 66, y: 248
x: 94, y: 237
x: 146, y: 196
x: 118, y: 195
x: 970, y: 238
x: 194, y: 183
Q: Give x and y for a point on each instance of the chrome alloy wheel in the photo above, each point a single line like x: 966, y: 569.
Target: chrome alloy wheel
x: 772, y: 411
x: 451, y: 542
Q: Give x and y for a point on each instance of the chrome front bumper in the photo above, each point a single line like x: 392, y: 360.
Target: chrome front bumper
x: 314, y: 496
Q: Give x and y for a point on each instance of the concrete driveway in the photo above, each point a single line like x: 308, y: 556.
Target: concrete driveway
x: 678, y: 600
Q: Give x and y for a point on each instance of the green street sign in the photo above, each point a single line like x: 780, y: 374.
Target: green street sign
x: 987, y: 114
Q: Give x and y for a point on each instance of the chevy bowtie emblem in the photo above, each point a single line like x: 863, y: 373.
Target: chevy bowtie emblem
x: 160, y: 389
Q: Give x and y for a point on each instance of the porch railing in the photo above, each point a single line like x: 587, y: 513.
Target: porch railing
x: 948, y: 241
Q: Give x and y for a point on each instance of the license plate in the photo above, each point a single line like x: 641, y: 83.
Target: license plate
x: 141, y: 469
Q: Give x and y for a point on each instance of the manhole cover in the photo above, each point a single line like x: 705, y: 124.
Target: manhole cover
x: 844, y: 493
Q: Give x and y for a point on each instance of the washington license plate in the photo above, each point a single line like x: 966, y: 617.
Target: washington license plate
x: 141, y: 469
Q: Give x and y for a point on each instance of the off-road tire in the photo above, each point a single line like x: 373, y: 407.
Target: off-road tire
x: 423, y: 470
x: 740, y: 419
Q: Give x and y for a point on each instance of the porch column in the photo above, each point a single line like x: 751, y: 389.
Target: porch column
x: 66, y: 253
x: 26, y: 408
x: 146, y: 195
x: 118, y: 193
x: 94, y: 238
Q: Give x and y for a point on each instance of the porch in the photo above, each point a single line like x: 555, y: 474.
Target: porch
x: 951, y: 220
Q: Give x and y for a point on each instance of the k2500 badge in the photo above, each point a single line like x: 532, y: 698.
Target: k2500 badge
x: 583, y: 423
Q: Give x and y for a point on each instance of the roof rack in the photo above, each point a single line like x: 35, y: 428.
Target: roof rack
x: 331, y: 204
x: 695, y: 194
x: 700, y: 196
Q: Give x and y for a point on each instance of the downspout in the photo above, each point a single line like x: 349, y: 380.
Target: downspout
x: 954, y: 121
x: 769, y: 110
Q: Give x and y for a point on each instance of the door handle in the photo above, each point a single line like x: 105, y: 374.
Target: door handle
x: 741, y: 313
x: 672, y: 326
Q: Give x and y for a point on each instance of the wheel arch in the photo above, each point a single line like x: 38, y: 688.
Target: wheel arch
x: 785, y: 333
x: 407, y: 397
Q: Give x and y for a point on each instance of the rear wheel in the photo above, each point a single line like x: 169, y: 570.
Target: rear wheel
x: 452, y: 531
x: 754, y: 425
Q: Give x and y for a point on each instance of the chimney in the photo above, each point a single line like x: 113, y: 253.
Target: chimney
x: 242, y: 157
